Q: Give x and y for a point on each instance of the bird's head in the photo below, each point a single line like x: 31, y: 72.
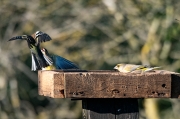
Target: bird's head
x: 118, y: 66
x: 44, y: 51
x: 30, y: 40
x: 47, y: 56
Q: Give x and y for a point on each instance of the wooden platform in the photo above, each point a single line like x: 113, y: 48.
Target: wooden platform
x: 108, y: 84
x: 109, y: 94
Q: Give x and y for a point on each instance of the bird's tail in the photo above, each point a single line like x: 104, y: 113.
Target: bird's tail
x: 35, y: 64
x: 151, y: 69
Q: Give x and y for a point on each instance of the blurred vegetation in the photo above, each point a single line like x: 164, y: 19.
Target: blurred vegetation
x: 95, y: 34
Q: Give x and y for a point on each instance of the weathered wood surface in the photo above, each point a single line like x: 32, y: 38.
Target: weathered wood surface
x: 108, y: 84
x: 110, y: 108
x: 51, y: 84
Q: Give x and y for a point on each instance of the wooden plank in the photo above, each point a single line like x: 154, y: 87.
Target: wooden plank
x: 110, y: 108
x: 117, y: 85
x: 51, y: 84
x: 108, y: 84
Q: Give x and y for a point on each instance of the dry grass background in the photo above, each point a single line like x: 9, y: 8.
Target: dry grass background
x: 96, y: 34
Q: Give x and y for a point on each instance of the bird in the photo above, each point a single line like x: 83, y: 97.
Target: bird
x: 130, y: 68
x: 57, y: 62
x: 33, y: 41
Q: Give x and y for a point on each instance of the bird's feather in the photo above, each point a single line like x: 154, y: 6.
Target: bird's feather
x: 58, y: 61
x: 62, y: 63
x: 35, y: 63
x: 48, y: 59
x: 42, y: 37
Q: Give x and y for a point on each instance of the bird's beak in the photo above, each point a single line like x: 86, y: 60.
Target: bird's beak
x: 16, y: 38
x: 115, y: 67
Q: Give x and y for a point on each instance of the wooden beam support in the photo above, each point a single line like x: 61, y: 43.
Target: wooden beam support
x: 110, y: 108
x: 108, y: 84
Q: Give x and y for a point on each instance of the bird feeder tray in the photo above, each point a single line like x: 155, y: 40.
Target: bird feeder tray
x: 108, y: 84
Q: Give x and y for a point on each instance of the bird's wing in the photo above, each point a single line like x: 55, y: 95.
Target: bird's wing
x: 132, y: 67
x: 35, y: 64
x: 48, y: 59
x: 42, y: 37
x: 62, y: 63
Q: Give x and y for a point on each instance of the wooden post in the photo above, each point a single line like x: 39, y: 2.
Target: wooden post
x: 109, y: 94
x: 110, y: 108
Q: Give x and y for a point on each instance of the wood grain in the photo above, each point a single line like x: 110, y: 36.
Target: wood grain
x: 117, y: 85
x: 108, y: 84
x: 109, y: 94
x: 51, y: 84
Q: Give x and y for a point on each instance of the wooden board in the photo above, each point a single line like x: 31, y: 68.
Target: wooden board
x: 108, y: 84
x: 117, y: 85
x: 51, y: 84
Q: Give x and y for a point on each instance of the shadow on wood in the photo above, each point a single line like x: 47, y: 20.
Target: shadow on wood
x: 175, y: 86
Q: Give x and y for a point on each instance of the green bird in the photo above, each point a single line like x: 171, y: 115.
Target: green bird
x: 33, y: 41
x: 130, y: 68
x: 57, y: 62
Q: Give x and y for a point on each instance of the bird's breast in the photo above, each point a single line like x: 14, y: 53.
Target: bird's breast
x: 51, y: 67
